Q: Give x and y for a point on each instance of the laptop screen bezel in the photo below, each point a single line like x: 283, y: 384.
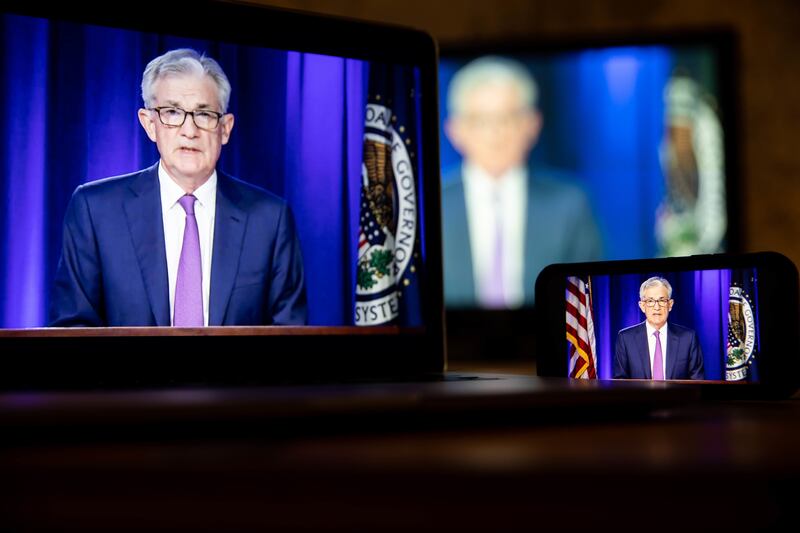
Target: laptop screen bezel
x: 260, y: 354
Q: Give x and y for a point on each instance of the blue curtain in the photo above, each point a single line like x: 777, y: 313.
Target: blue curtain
x: 323, y: 169
x: 69, y: 96
x: 701, y: 303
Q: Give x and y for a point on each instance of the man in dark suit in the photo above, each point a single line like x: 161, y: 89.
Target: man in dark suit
x: 179, y: 243
x: 656, y: 349
x: 502, y: 223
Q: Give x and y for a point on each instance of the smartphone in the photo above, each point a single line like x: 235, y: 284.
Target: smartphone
x: 726, y: 322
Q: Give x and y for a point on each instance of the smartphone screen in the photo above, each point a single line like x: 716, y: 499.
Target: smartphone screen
x: 720, y: 319
x: 690, y: 325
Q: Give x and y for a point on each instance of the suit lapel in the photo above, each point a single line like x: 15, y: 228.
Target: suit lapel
x: 461, y: 277
x: 672, y: 352
x: 229, y: 224
x: 142, y: 209
x: 465, y: 248
x: 643, y: 351
x: 531, y: 240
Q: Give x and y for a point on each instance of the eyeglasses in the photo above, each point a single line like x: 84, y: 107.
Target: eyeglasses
x: 503, y: 121
x: 650, y: 302
x: 174, y: 117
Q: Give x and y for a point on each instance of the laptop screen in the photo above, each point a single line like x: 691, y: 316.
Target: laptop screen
x: 337, y: 138
x: 334, y: 119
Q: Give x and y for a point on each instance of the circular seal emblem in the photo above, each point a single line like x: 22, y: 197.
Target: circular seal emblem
x: 741, y: 334
x: 388, y: 221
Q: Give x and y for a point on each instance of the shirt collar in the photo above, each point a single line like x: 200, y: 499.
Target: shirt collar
x: 171, y: 192
x: 508, y: 183
x: 651, y: 329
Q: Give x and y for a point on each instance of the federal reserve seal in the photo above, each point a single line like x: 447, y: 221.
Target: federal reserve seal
x: 388, y: 222
x: 741, y: 334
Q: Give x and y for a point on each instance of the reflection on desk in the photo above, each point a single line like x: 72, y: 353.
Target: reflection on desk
x: 702, y: 465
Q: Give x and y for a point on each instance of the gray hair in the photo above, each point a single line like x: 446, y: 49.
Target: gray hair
x: 655, y: 281
x: 185, y: 62
x: 488, y: 70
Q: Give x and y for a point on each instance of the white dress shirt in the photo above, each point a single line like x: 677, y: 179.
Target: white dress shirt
x: 651, y: 344
x: 174, y: 218
x: 485, y: 195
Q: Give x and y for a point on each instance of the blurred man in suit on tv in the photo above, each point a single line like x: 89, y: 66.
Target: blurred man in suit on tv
x: 179, y: 243
x: 656, y: 349
x: 503, y: 221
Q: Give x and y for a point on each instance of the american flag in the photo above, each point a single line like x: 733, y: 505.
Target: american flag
x: 581, y: 345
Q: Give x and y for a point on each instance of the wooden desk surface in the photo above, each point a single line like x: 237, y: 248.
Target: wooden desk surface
x: 732, y: 464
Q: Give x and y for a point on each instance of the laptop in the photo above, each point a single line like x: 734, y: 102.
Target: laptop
x: 336, y: 117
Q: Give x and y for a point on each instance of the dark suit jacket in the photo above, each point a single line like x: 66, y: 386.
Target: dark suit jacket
x: 113, y: 266
x: 559, y: 228
x: 632, y: 355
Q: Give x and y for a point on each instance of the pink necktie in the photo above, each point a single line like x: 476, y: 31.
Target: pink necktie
x: 658, y: 364
x: 495, y: 290
x: 189, y: 284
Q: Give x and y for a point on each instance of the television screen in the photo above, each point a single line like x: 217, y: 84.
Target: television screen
x: 582, y: 150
